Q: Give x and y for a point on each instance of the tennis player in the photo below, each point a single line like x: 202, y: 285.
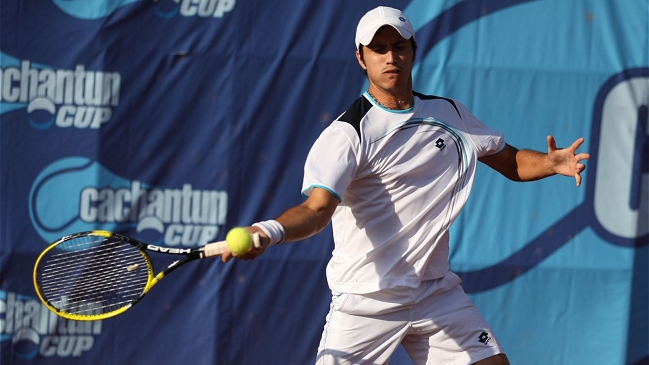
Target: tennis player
x: 392, y: 173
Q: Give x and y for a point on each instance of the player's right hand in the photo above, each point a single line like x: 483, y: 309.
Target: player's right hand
x: 254, y: 251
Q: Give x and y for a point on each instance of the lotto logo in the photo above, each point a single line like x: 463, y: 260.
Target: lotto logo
x: 484, y: 337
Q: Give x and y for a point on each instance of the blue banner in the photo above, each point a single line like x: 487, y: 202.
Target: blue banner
x: 173, y: 120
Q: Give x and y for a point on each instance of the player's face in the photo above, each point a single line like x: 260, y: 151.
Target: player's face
x: 388, y: 61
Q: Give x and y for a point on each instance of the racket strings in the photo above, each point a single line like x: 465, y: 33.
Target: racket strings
x: 92, y: 275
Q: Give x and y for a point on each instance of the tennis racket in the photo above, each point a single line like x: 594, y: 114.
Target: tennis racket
x: 96, y: 275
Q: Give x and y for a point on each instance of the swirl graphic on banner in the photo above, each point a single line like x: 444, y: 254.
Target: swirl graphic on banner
x: 86, y: 195
x: 163, y: 8
x: 626, y: 188
x: 620, y: 121
x: 91, y: 9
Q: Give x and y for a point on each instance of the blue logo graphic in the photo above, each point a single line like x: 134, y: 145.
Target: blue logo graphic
x: 30, y: 329
x: 165, y: 9
x: 25, y: 341
x: 55, y: 197
x: 8, y: 62
x: 77, y: 194
x: 76, y: 98
x: 95, y: 9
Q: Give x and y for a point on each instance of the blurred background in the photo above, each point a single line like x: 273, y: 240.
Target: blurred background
x: 173, y: 120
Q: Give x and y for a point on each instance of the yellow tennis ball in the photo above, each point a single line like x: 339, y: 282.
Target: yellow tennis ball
x: 239, y: 240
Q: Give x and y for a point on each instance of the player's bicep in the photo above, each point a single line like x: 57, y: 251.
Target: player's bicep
x: 504, y: 162
x: 322, y: 203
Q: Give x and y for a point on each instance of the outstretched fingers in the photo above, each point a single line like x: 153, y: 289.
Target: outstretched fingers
x: 575, y: 145
x: 577, y: 157
x: 552, y: 144
x: 566, y: 161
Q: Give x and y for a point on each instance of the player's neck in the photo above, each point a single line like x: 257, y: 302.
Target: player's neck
x: 401, y: 101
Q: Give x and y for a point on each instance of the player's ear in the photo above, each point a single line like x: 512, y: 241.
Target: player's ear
x: 361, y: 62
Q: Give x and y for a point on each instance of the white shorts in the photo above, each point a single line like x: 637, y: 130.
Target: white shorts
x: 436, y: 323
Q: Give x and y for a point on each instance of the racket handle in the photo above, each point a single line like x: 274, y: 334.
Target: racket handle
x: 256, y: 240
x: 217, y: 248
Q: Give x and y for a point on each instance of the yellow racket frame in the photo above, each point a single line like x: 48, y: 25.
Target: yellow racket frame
x: 151, y: 281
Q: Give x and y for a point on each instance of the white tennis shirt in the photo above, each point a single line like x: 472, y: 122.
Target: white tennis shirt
x: 402, y: 177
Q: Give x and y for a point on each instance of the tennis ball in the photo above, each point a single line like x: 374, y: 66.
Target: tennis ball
x: 239, y: 240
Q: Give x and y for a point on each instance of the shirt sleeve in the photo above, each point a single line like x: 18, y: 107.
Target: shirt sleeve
x: 487, y: 141
x: 332, y: 161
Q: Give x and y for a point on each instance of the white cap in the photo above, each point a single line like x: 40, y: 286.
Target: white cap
x: 378, y: 17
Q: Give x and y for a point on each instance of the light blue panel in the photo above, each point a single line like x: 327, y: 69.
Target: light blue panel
x: 531, y: 70
x: 421, y: 12
x: 562, y: 312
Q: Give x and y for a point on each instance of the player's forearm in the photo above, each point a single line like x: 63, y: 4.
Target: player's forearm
x: 302, y: 222
x: 532, y: 165
x: 520, y: 165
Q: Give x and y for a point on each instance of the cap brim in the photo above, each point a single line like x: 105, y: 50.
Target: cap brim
x: 367, y: 38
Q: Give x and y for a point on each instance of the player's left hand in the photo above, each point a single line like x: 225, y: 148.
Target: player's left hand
x: 566, y: 161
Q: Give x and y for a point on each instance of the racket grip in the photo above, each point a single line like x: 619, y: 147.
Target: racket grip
x: 256, y: 240
x: 217, y: 248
